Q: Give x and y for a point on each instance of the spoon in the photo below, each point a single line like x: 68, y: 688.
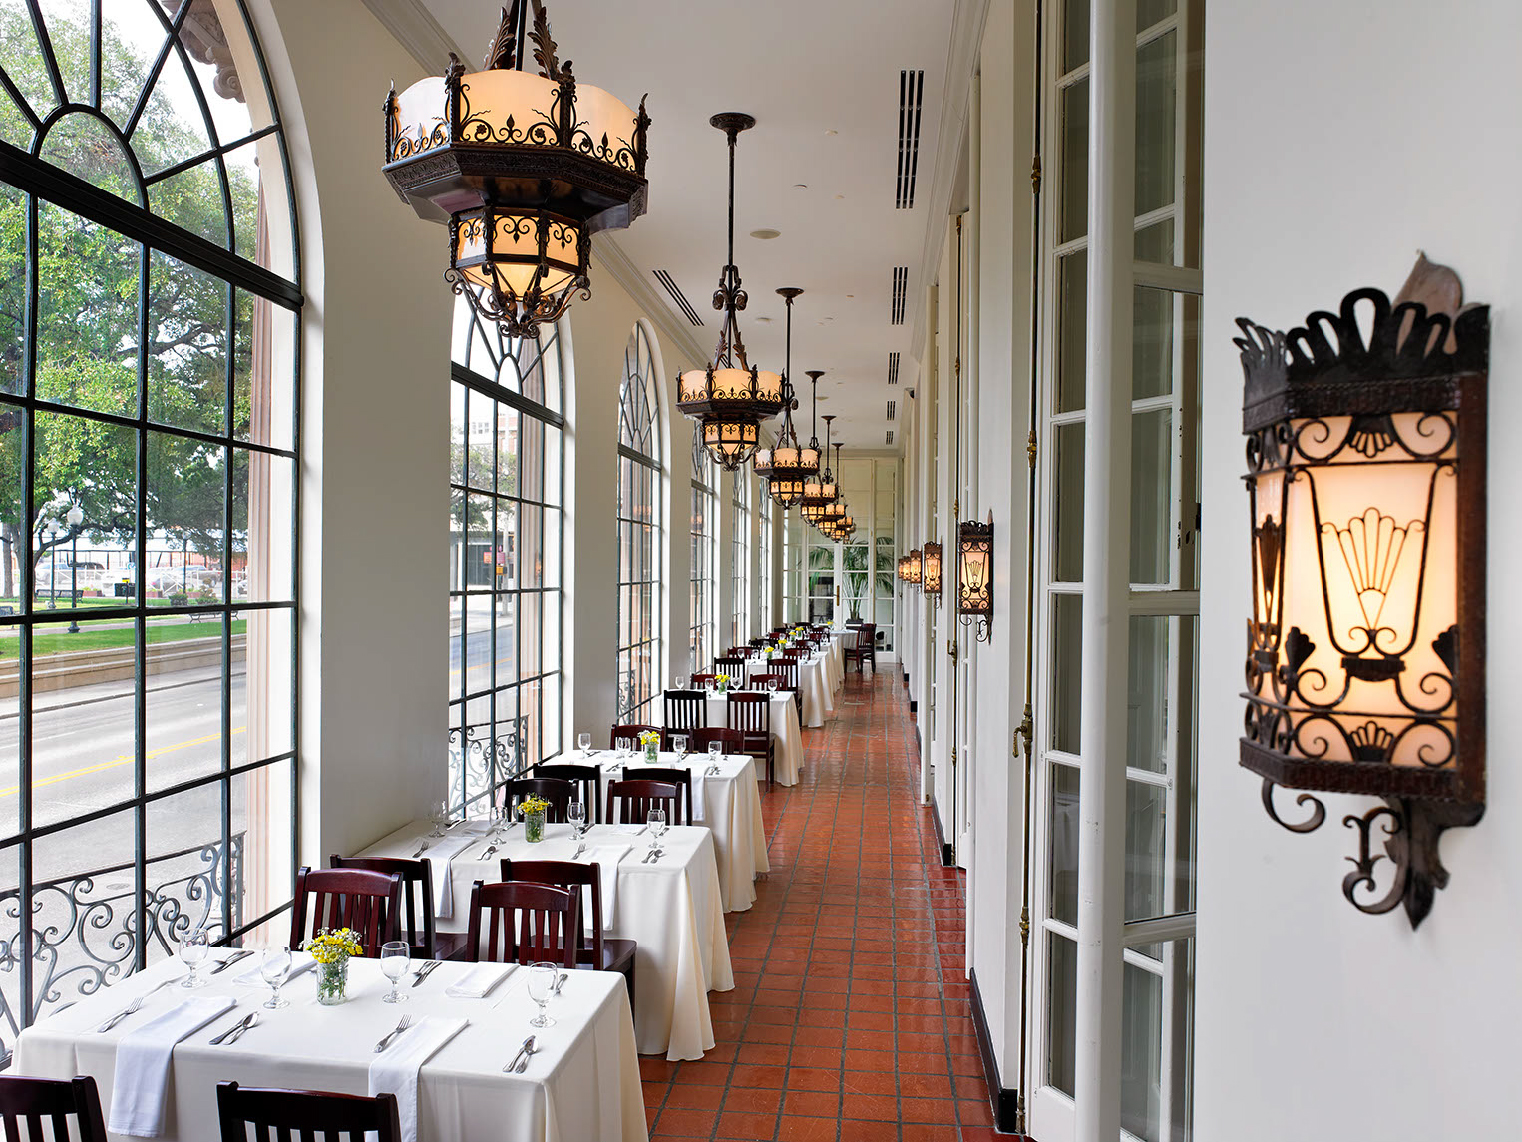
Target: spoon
x: 530, y: 1049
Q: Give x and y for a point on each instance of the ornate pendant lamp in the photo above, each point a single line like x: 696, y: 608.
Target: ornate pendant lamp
x: 786, y: 466
x: 731, y: 397
x: 821, y: 491
x: 524, y: 168
x: 832, y: 514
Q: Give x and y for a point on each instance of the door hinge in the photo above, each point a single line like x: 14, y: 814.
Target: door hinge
x: 1030, y: 449
x: 1035, y: 174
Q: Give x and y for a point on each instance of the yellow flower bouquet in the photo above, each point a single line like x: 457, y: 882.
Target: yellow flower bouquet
x: 651, y: 740
x: 533, y: 810
x: 331, y: 948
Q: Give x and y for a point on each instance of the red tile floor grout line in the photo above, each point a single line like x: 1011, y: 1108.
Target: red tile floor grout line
x: 849, y: 1019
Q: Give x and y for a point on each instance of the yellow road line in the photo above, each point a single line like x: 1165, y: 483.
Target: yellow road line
x: 119, y: 760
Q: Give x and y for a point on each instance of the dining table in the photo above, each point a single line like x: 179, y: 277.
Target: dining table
x: 813, y: 686
x: 727, y: 801
x: 672, y: 908
x: 787, y: 734
x: 581, y: 1082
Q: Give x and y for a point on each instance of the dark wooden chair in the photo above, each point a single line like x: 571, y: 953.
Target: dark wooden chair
x: 523, y: 923
x: 686, y: 710
x: 757, y: 643
x: 730, y: 741
x: 416, y: 922
x: 586, y: 781
x: 865, y: 649
x: 751, y: 714
x: 789, y: 668
x: 734, y: 667
x: 305, y: 1114
x: 704, y: 679
x: 793, y: 654
x: 739, y: 652
x: 28, y: 1103
x: 629, y: 802
x: 598, y: 953
x: 369, y: 903
x: 628, y: 731
x: 681, y: 778
x: 557, y: 792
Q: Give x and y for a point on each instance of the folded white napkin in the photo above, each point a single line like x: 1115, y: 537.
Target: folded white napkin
x: 629, y: 830
x: 441, y: 857
x: 395, y: 1069
x: 607, y: 858
x: 479, y: 980
x: 699, y: 794
x: 471, y: 829
x: 141, y: 1082
x: 300, y: 964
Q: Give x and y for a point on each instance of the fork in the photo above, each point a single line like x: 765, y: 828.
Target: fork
x: 422, y: 848
x: 131, y: 1009
x: 406, y: 1021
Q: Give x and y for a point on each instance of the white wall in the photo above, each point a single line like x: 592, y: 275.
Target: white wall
x: 1340, y: 139
x: 375, y: 447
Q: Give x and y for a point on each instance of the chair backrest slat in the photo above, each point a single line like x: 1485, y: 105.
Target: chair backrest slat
x: 557, y: 792
x: 368, y: 902
x: 416, y: 923
x: 585, y: 879
x: 523, y: 923
x: 280, y: 1115
x: 629, y: 802
x: 685, y: 710
x: 681, y: 778
x: 585, y: 779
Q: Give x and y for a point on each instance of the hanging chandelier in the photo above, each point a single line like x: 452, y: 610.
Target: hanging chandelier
x: 821, y: 491
x: 731, y: 397
x: 834, y: 513
x: 785, y: 466
x: 524, y: 168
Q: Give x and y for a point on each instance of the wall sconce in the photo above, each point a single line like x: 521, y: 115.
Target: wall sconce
x: 975, y: 587
x: 1366, y: 646
x: 930, y: 570
x: 912, y: 568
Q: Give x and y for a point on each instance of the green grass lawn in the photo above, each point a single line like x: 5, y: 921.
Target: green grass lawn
x: 60, y: 641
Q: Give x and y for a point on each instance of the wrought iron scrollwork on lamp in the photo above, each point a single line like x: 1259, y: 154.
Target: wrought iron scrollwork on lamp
x: 1366, y: 645
x: 524, y: 168
x: 821, y: 491
x: 975, y: 587
x: 786, y: 465
x: 730, y: 397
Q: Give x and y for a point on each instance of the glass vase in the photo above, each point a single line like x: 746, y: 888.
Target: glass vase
x: 652, y: 753
x: 533, y: 827
x: 333, y: 981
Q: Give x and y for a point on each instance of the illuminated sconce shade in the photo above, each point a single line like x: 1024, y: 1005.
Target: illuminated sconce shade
x: 524, y: 168
x: 930, y: 569
x: 912, y: 568
x: 1366, y: 658
x: 975, y: 588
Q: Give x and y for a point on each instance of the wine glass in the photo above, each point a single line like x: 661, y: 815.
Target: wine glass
x: 440, y: 818
x: 584, y: 743
x: 625, y: 748
x: 714, y: 751
x: 395, y: 956
x: 541, y: 987
x: 497, y: 815
x: 273, y: 969
x: 576, y: 814
x: 194, y: 950
x: 771, y: 685
x: 656, y: 819
x: 679, y: 747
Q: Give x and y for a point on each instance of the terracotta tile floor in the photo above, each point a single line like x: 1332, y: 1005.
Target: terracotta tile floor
x: 849, y: 1018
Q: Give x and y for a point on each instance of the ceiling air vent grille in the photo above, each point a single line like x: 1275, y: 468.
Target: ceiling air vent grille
x: 893, y: 410
x: 911, y: 97
x: 893, y: 368
x: 677, y: 296
x: 900, y: 293
x: 890, y: 436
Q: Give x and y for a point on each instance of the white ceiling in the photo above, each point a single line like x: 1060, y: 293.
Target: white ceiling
x: 822, y: 79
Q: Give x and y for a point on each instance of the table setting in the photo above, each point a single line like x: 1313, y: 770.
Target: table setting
x: 814, y: 687
x: 470, y: 1050
x: 670, y: 904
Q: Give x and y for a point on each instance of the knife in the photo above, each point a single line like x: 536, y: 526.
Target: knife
x: 235, y: 1027
x: 508, y: 1069
x: 424, y: 972
x: 235, y: 958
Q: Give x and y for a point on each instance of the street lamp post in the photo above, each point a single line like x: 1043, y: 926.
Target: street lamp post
x: 54, y: 529
x: 76, y: 519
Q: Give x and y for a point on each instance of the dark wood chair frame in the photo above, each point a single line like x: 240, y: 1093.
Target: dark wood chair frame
x: 526, y: 923
x: 587, y: 777
x: 557, y: 792
x: 681, y: 778
x: 416, y: 923
x: 27, y: 1102
x: 599, y: 953
x: 756, y: 731
x: 630, y: 730
x: 307, y: 1115
x: 630, y: 801
x: 368, y: 902
x: 686, y: 710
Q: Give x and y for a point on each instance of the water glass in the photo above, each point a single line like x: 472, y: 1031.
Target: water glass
x: 395, y: 956
x: 194, y: 950
x: 497, y: 815
x: 771, y: 685
x: 584, y: 743
x: 656, y: 820
x: 625, y: 747
x: 679, y: 747
x: 273, y: 969
x: 440, y: 816
x: 714, y: 751
x: 576, y: 814
x: 541, y: 988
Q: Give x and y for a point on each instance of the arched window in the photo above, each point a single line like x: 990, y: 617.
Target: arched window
x: 704, y: 568
x: 505, y: 550
x: 149, y: 313
x: 739, y: 543
x: 639, y: 532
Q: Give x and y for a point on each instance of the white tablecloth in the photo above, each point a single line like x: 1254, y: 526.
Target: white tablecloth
x: 813, y: 685
x: 730, y: 806
x: 673, y: 909
x: 786, y: 733
x: 583, y: 1083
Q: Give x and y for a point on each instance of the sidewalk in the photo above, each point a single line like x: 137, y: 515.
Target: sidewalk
x: 106, y: 691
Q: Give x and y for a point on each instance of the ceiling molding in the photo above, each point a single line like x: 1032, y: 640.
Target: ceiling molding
x: 416, y: 30
x: 607, y: 256
x: 961, y: 62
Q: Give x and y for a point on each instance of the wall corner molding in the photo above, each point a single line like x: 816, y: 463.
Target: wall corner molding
x: 416, y: 30
x: 1005, y: 1100
x: 609, y: 257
